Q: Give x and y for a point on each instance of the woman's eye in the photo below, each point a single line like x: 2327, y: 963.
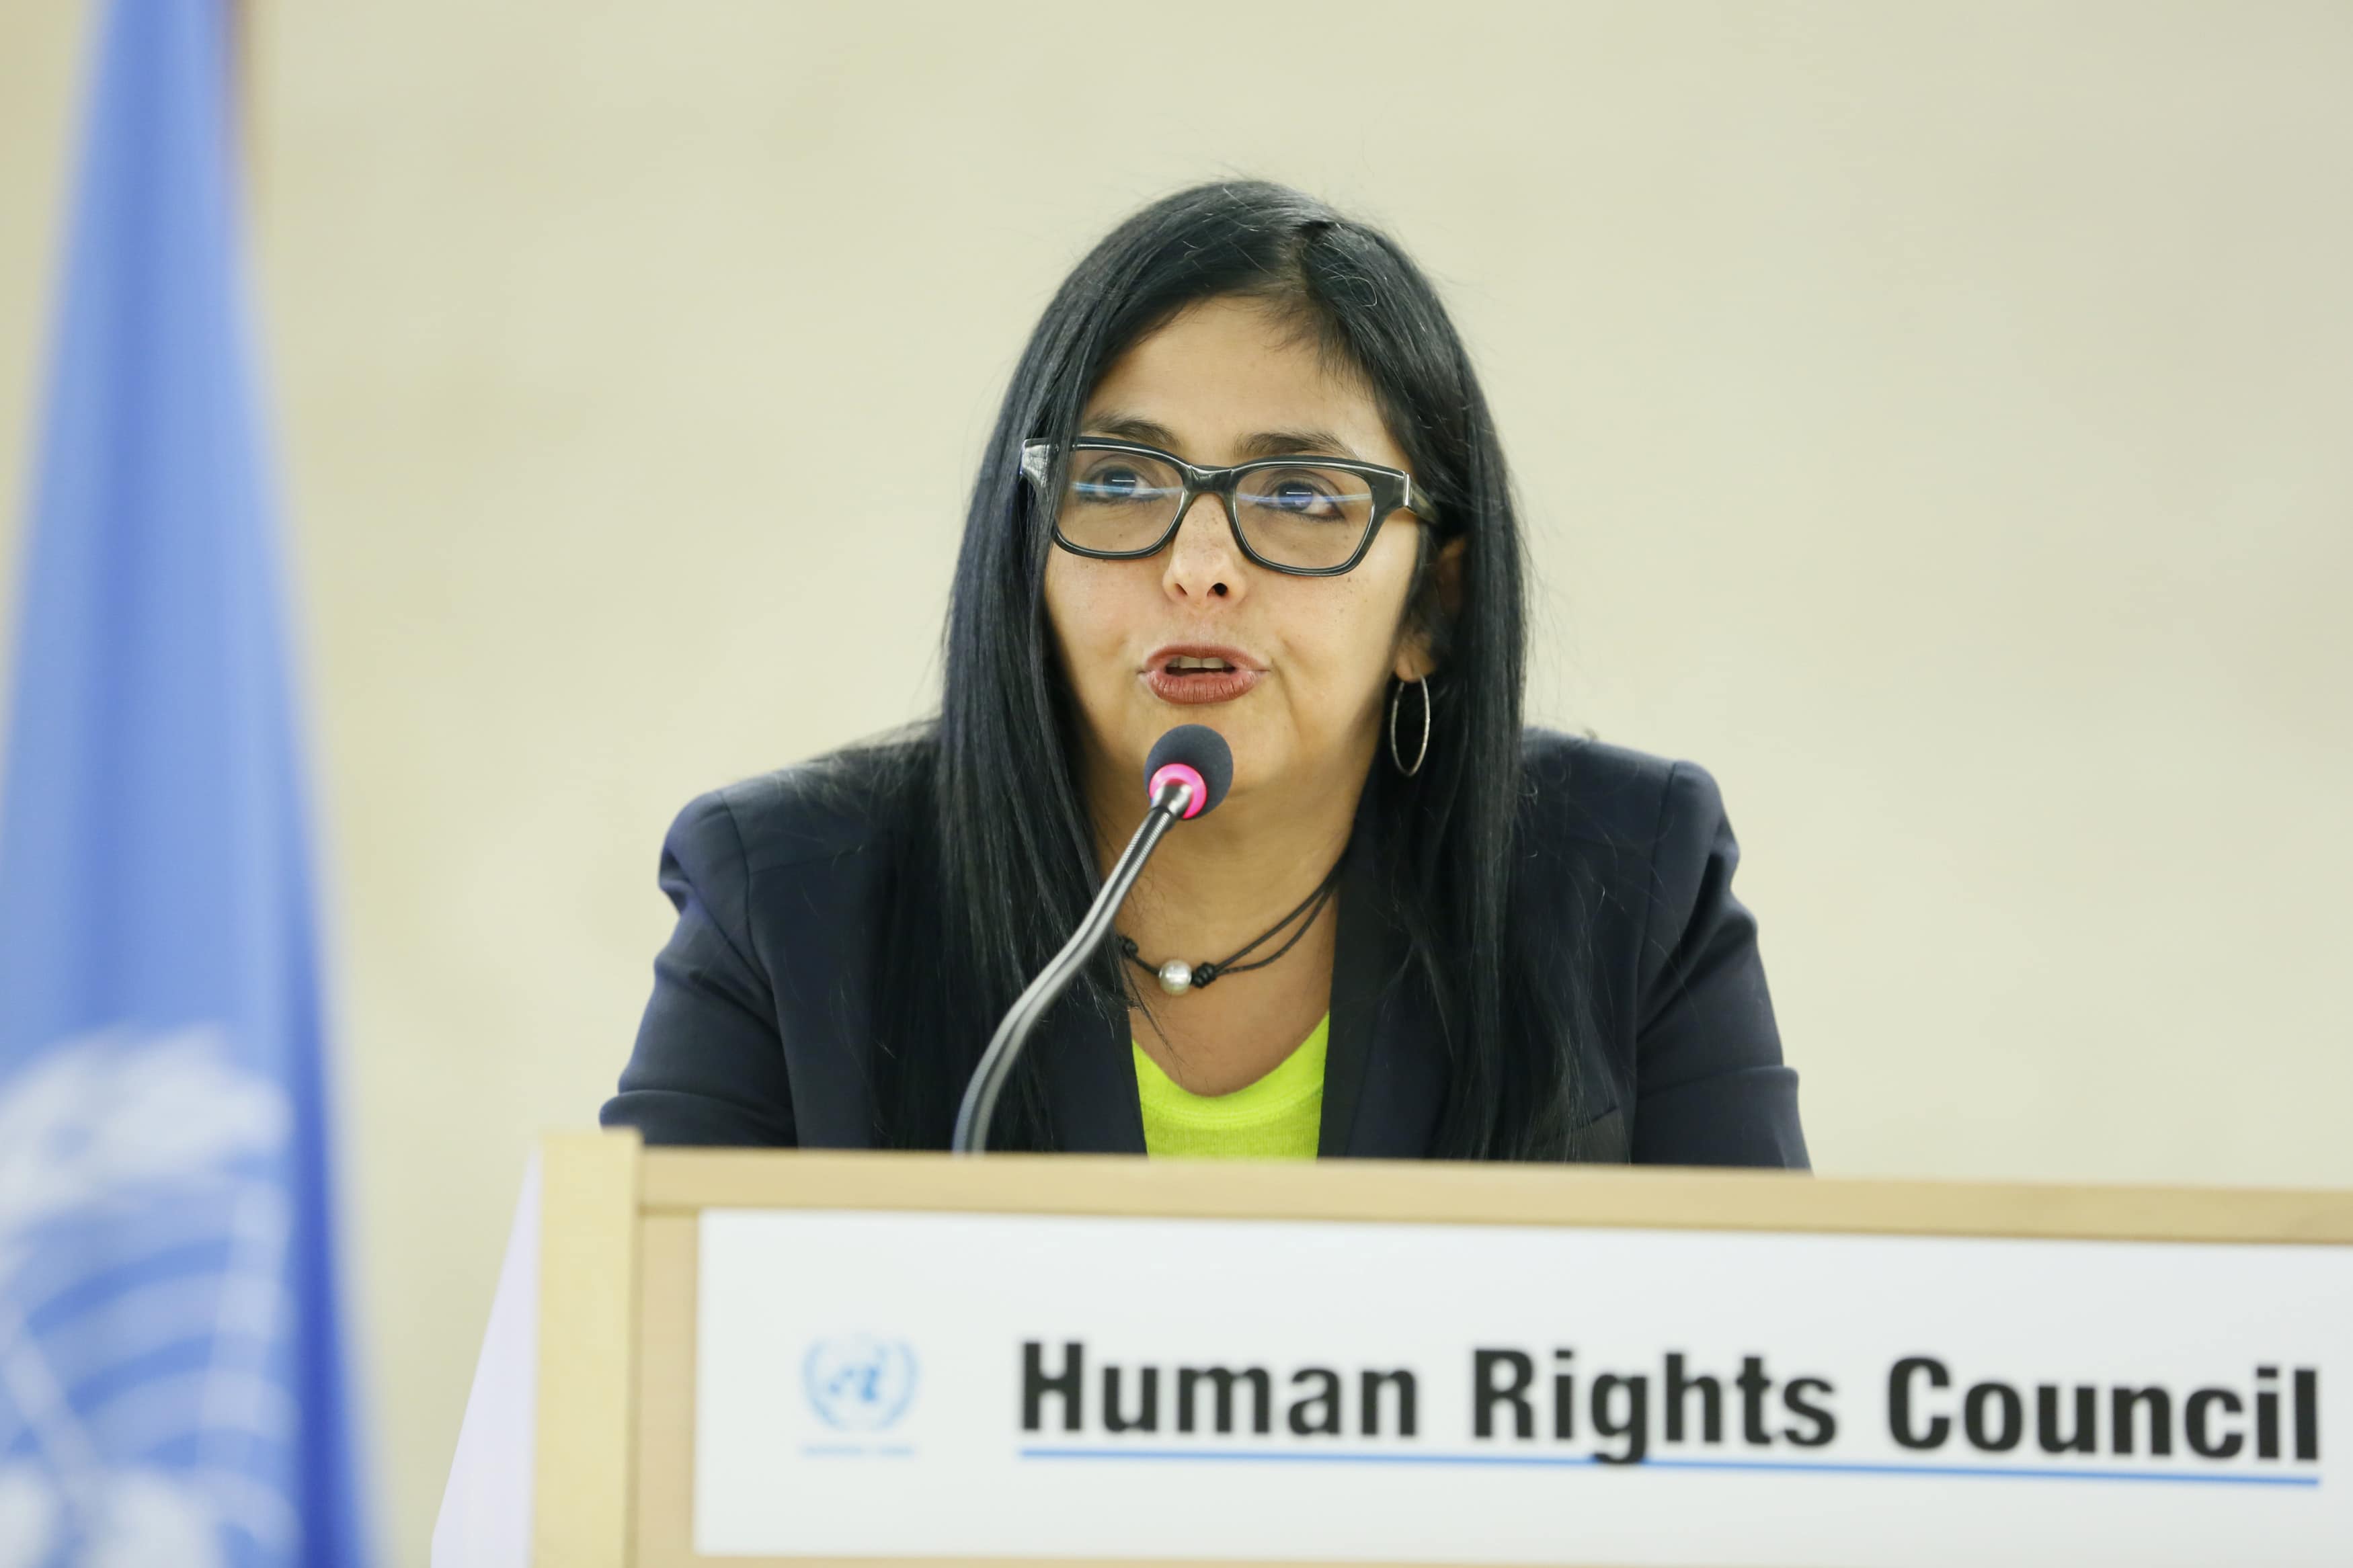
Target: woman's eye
x: 1299, y: 494
x: 1111, y: 483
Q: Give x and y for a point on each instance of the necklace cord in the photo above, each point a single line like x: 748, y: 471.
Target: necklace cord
x: 1312, y: 907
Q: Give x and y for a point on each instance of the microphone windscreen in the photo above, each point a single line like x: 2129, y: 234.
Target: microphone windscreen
x: 1199, y: 750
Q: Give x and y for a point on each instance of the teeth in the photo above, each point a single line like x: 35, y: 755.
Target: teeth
x: 1187, y: 661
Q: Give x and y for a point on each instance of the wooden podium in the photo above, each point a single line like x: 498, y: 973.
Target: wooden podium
x: 773, y: 1358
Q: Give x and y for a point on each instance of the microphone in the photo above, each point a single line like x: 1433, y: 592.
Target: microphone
x: 1185, y: 776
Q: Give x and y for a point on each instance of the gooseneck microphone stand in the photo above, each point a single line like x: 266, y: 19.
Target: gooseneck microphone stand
x: 1171, y: 802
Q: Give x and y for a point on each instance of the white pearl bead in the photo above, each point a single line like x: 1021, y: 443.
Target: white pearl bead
x: 1176, y: 977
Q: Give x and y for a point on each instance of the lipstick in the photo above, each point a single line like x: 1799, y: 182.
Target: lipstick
x: 1192, y: 674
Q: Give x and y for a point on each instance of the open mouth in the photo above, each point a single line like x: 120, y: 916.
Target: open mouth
x: 1199, y: 675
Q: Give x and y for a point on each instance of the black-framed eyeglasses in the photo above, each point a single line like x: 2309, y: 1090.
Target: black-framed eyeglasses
x: 1310, y: 517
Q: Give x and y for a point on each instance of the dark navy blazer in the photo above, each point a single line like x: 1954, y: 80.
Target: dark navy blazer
x: 757, y: 1028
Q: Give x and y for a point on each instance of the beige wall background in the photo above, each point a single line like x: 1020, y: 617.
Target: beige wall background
x: 1937, y: 420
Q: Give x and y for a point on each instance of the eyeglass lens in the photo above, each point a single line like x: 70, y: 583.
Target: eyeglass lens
x: 1293, y: 514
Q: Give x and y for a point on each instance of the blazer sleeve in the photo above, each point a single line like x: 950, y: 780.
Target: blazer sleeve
x: 709, y: 1066
x: 1711, y: 1087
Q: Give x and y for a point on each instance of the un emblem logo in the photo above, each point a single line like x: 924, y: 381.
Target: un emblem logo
x: 147, y: 1412
x: 858, y: 1383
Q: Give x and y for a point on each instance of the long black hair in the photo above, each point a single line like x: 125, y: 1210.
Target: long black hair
x: 1007, y: 864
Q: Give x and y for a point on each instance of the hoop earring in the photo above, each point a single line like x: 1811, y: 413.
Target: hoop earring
x: 1422, y: 752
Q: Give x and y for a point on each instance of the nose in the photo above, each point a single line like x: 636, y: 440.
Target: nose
x: 1203, y: 564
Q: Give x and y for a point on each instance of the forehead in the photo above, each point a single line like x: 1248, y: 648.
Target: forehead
x: 1226, y: 370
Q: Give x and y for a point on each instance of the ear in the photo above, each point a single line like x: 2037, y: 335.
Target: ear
x: 1415, y: 658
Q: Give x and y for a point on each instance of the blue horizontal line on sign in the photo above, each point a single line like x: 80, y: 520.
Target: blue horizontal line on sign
x: 1581, y: 1461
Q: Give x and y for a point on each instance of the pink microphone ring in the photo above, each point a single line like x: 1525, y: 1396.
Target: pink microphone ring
x: 1184, y: 773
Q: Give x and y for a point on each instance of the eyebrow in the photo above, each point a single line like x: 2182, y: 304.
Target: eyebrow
x: 1299, y: 443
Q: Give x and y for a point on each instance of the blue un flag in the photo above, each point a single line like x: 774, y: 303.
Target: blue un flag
x: 172, y: 1384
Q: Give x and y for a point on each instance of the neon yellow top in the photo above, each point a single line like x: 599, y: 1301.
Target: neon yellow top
x: 1277, y: 1118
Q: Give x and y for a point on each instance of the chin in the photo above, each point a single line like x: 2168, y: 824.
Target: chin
x: 1261, y: 756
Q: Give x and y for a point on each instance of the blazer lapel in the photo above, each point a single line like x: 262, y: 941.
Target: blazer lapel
x: 1384, y: 1074
x: 1088, y: 1066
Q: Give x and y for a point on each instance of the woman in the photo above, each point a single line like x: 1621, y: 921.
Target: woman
x: 1244, y: 477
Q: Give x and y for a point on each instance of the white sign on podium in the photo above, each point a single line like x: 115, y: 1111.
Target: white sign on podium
x: 1041, y: 1386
